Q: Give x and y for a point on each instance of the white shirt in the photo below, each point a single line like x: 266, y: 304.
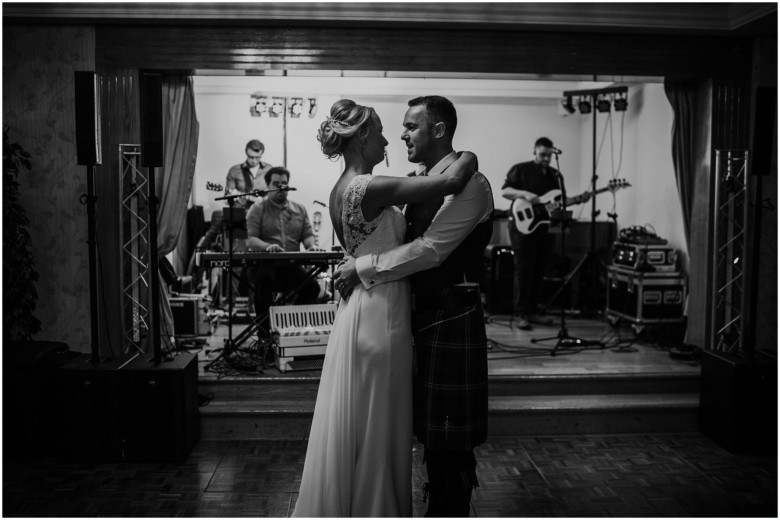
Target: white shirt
x: 457, y: 217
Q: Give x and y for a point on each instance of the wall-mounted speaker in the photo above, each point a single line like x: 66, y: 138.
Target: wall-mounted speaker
x: 87, y: 118
x: 151, y: 120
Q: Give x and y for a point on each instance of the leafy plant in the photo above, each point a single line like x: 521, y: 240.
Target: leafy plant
x: 19, y: 275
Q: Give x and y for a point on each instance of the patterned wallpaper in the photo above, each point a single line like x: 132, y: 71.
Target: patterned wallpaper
x: 38, y: 106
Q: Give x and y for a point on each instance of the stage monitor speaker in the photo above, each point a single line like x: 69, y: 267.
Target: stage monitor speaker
x: 88, y: 398
x: 88, y: 145
x: 151, y: 120
x: 190, y: 315
x: 159, y: 407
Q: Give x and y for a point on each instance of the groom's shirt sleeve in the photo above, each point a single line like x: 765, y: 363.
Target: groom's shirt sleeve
x: 456, y: 218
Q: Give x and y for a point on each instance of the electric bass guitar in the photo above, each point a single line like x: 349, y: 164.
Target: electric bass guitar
x: 530, y: 216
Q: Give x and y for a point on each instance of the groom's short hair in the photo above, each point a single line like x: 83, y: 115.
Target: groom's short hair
x: 440, y: 110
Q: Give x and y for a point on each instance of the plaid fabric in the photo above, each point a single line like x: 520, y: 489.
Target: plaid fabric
x: 450, y: 387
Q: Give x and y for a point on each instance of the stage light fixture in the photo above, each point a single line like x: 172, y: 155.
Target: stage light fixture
x: 584, y: 105
x: 621, y: 102
x: 296, y: 107
x: 567, y: 105
x: 603, y: 104
x: 312, y: 107
x: 260, y: 107
x: 277, y: 108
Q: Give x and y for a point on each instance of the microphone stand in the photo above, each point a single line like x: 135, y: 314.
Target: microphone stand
x: 564, y: 339
x: 231, y: 345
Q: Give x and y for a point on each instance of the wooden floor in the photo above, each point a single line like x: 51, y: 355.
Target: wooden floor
x: 667, y: 475
x: 566, y: 475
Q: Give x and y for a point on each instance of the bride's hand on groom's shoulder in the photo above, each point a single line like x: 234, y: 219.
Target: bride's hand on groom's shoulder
x: 346, y: 278
x: 461, y: 172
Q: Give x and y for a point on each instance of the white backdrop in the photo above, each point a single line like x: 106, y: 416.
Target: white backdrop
x: 499, y: 120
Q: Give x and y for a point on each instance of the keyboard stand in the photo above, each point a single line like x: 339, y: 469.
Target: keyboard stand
x: 256, y: 325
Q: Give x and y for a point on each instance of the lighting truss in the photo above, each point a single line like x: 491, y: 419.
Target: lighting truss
x: 729, y: 240
x: 135, y: 250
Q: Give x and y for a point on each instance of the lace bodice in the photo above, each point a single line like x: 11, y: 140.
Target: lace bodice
x: 363, y: 237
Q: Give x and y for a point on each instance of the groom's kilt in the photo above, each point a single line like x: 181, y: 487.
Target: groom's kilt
x: 450, y: 386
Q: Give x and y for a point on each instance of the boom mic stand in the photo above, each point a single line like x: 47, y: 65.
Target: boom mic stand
x: 564, y: 339
x: 231, y: 345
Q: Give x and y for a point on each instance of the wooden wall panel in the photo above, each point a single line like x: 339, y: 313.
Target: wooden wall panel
x: 39, y: 108
x: 457, y: 50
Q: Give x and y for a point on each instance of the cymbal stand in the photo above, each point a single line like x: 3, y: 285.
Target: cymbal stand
x: 565, y: 340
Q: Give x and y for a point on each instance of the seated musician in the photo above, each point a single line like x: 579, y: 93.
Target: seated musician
x: 276, y: 224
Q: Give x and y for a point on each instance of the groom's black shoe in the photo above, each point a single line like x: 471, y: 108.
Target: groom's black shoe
x: 437, y: 506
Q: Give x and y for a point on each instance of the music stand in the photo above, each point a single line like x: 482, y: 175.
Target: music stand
x: 565, y: 340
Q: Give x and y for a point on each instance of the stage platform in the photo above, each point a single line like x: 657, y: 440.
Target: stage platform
x: 631, y: 385
x: 513, y: 352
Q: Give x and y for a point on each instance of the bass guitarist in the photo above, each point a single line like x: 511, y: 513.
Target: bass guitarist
x: 529, y: 181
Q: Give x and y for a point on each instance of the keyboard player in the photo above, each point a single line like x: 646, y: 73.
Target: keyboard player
x: 277, y: 224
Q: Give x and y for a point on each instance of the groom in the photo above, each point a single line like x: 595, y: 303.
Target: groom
x: 443, y: 257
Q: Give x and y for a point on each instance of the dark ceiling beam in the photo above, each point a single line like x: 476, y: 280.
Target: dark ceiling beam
x: 672, y: 17
x: 470, y: 51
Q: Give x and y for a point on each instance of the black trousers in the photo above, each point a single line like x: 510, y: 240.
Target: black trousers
x: 270, y: 279
x: 532, y: 255
x: 451, y: 478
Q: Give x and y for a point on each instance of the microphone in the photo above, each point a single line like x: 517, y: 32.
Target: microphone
x: 321, y: 203
x: 555, y: 150
x: 285, y: 188
x: 387, y: 160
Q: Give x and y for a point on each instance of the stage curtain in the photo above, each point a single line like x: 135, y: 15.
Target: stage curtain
x: 174, y: 182
x: 691, y: 149
x: 682, y: 97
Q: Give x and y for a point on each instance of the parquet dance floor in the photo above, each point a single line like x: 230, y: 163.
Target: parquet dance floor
x: 666, y: 475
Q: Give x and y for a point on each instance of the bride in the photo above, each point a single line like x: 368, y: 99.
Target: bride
x: 359, y: 456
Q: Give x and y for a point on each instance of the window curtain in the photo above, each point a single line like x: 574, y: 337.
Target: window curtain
x: 174, y: 182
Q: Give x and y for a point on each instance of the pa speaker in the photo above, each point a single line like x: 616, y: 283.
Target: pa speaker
x: 159, y: 404
x: 765, y: 131
x: 151, y: 120
x: 87, y: 118
x: 88, y: 405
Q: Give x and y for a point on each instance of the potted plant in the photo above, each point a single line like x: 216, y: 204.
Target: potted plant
x: 19, y: 275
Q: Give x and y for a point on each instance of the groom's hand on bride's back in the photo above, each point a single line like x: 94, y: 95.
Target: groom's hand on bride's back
x: 346, y: 278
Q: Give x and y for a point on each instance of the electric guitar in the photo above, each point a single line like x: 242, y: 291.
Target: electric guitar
x: 530, y: 216
x: 211, y: 186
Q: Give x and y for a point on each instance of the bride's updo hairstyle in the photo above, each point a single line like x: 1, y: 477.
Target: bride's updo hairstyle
x: 347, y: 119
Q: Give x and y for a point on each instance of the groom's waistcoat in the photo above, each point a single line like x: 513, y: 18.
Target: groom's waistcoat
x: 467, y: 259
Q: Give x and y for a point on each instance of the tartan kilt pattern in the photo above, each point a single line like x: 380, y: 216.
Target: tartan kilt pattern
x: 450, y: 386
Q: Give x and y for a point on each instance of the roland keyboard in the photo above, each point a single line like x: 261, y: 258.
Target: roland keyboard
x: 247, y: 258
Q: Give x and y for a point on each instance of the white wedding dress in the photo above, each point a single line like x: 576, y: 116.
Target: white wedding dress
x: 359, y: 457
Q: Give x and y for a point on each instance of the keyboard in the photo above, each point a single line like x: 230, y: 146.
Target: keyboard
x: 247, y: 258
